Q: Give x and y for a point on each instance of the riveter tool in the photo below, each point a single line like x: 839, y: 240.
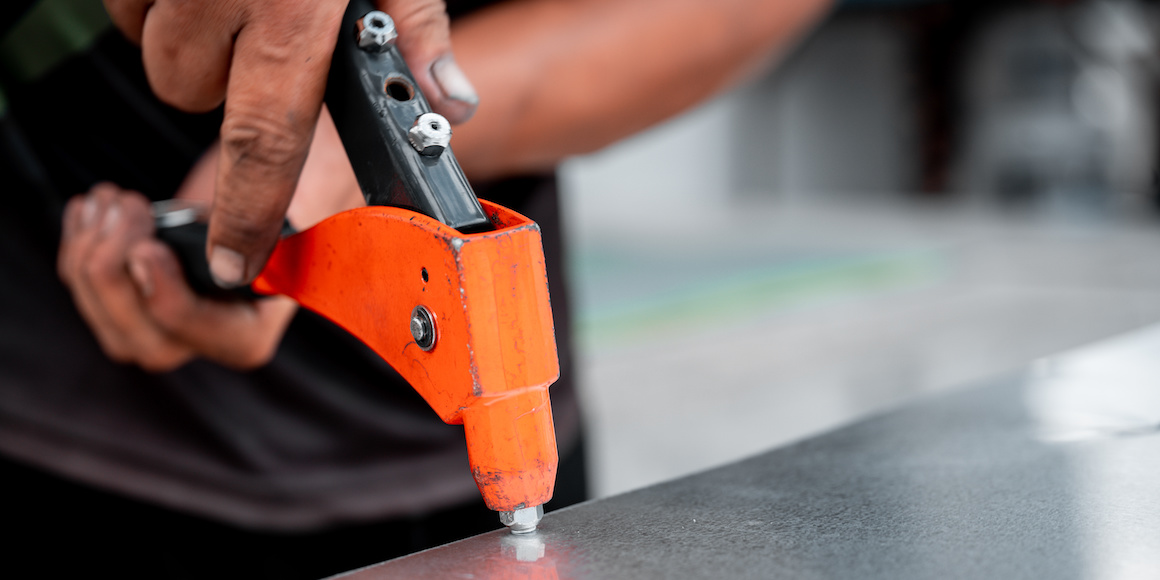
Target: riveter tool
x: 450, y: 290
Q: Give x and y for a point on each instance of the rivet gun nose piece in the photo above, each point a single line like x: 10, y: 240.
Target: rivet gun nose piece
x: 430, y: 134
x: 522, y: 521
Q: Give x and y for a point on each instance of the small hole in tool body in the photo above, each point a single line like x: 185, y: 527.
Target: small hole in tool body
x: 424, y: 273
x: 399, y: 89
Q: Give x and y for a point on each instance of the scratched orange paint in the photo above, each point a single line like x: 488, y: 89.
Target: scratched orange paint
x: 495, y: 351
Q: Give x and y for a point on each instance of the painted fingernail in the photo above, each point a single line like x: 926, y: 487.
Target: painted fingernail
x: 140, y: 274
x: 88, y: 211
x: 455, y: 85
x: 227, y: 267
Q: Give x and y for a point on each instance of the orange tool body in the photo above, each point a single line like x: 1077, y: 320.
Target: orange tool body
x: 495, y: 350
x: 451, y: 292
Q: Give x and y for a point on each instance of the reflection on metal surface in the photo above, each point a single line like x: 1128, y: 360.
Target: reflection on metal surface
x: 1108, y: 391
x: 524, y: 547
x: 498, y: 555
x: 960, y: 485
x: 1071, y: 408
x: 1105, y: 390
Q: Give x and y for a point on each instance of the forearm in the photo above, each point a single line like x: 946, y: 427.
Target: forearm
x: 558, y: 78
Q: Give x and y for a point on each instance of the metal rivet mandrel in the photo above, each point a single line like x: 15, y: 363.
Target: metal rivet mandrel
x: 376, y: 32
x: 430, y: 134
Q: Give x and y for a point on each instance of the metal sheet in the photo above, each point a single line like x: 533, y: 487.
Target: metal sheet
x: 1053, y: 472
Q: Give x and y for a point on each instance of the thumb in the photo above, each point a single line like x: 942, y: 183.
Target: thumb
x: 425, y: 43
x: 272, y: 104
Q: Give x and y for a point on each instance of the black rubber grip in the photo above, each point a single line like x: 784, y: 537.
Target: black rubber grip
x: 188, y: 243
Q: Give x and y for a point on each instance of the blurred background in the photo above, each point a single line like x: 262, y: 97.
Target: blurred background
x: 920, y: 196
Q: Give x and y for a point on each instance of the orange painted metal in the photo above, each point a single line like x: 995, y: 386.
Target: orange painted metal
x: 495, y: 350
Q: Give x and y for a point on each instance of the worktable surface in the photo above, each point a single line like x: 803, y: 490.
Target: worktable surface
x: 1049, y: 472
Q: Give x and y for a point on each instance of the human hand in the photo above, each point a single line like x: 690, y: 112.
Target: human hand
x: 130, y: 289
x: 268, y: 60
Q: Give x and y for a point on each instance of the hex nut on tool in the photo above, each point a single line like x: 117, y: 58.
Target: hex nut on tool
x: 430, y: 134
x: 376, y: 32
x: 522, y: 521
x: 423, y: 328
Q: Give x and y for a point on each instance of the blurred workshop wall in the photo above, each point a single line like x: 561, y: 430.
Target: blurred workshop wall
x: 837, y: 116
x: 837, y: 237
x: 1027, y: 102
x: 1059, y: 105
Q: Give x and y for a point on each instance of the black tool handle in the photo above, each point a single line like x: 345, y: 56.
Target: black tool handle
x: 181, y: 225
x: 375, y: 102
x: 188, y: 242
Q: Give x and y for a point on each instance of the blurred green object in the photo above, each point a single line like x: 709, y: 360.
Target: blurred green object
x: 707, y: 291
x: 49, y: 33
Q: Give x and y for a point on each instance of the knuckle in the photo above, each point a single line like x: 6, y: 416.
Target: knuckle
x: 246, y: 227
x: 158, y: 58
x: 432, y: 20
x: 182, y: 69
x: 104, y: 193
x: 100, y: 270
x: 134, y: 201
x: 138, y: 215
x: 422, y: 14
x: 256, y: 141
x: 424, y: 28
x: 190, y: 97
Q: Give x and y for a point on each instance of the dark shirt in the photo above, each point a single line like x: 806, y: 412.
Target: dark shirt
x: 325, y: 433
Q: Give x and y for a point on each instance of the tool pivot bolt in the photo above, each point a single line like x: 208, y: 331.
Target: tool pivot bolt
x: 376, y: 32
x: 423, y: 328
x: 430, y: 134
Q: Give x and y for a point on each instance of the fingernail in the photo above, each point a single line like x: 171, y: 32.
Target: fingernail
x: 227, y: 267
x: 88, y: 211
x: 455, y: 84
x: 140, y: 276
x: 112, y: 218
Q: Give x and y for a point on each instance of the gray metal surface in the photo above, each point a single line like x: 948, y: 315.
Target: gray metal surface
x: 1053, y: 472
